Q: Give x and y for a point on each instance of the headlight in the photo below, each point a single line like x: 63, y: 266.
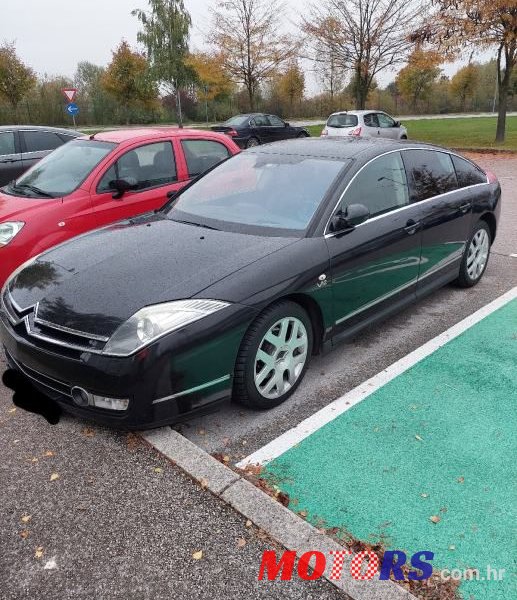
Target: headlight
x: 9, y: 230
x: 152, y: 322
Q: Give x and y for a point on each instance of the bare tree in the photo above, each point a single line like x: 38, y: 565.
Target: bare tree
x: 366, y: 36
x: 245, y: 33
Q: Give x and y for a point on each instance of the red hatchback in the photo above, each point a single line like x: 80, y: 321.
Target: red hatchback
x: 95, y: 180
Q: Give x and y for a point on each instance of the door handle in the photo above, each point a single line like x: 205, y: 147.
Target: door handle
x: 412, y: 227
x: 465, y: 207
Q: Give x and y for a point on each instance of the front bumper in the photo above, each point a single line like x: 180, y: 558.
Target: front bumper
x: 180, y: 374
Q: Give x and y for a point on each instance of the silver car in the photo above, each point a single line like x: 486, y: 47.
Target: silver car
x: 364, y: 123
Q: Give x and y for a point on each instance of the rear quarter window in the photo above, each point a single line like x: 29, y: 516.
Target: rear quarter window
x: 430, y: 173
x: 467, y: 173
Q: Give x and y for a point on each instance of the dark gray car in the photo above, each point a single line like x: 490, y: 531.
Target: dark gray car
x: 23, y: 145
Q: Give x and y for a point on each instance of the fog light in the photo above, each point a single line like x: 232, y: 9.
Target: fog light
x: 80, y: 397
x: 110, y: 403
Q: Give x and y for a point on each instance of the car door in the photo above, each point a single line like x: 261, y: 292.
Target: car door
x: 153, y: 166
x: 201, y: 155
x: 37, y: 143
x: 371, y: 125
x: 387, y: 126
x: 11, y: 165
x: 446, y: 214
x: 375, y: 264
x: 261, y: 129
x: 279, y: 130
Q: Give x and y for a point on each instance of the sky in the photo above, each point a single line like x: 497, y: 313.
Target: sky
x: 52, y: 36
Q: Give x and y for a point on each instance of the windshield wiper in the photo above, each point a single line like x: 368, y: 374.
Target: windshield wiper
x: 33, y: 189
x: 196, y: 224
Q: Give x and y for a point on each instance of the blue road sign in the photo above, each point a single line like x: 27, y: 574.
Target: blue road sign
x: 72, y: 109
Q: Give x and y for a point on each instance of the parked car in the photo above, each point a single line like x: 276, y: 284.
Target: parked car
x: 229, y: 289
x: 22, y: 146
x: 99, y: 179
x: 257, y: 128
x: 364, y: 123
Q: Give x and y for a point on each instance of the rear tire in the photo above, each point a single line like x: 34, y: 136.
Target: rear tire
x: 273, y: 356
x: 475, y: 256
x: 252, y: 142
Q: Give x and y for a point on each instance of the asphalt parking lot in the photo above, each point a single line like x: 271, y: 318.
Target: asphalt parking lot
x: 117, y: 512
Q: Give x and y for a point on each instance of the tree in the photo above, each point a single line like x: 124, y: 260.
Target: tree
x: 127, y: 80
x: 165, y: 36
x: 16, y: 79
x: 415, y: 80
x: 212, y: 81
x: 368, y: 36
x: 463, y: 84
x: 478, y: 24
x: 245, y: 33
x: 291, y: 84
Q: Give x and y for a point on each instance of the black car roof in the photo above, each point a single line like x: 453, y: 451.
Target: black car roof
x: 342, y: 148
x: 39, y: 128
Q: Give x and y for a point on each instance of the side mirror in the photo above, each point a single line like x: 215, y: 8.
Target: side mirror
x: 354, y: 215
x: 172, y: 194
x: 397, y: 124
x: 122, y: 186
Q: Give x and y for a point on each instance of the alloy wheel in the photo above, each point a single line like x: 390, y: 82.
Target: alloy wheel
x: 478, y: 254
x: 280, y: 357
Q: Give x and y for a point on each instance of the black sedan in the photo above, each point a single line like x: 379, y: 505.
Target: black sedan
x: 21, y: 146
x: 257, y: 128
x: 271, y: 257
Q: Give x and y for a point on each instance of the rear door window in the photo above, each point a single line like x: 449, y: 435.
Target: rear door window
x: 38, y: 141
x: 467, y: 173
x: 430, y: 173
x: 385, y: 121
x: 342, y: 121
x: 150, y: 166
x: 7, y: 145
x: 201, y: 155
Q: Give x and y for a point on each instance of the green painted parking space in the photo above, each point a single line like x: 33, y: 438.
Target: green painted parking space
x: 427, y: 461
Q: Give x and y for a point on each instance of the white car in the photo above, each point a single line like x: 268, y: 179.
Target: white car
x: 364, y: 123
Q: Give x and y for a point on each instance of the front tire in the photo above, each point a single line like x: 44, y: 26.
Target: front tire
x: 273, y: 356
x: 475, y: 256
x: 302, y: 135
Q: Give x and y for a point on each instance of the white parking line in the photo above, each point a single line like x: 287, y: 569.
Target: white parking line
x: 327, y: 414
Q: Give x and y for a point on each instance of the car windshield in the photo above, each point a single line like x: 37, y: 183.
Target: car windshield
x: 259, y: 192
x: 61, y: 171
x: 237, y: 121
x: 340, y: 121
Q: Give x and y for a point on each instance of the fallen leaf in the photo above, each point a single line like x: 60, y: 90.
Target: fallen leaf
x: 460, y: 479
x: 157, y: 469
x: 241, y: 542
x: 303, y: 513
x: 452, y: 547
x: 26, y: 518
x: 11, y: 410
x: 54, y: 476
x: 248, y: 523
x: 39, y: 552
x: 198, y: 555
x: 34, y: 460
x: 48, y: 453
x: 226, y: 458
x: 443, y: 509
x: 435, y: 519
x: 424, y: 495
x: 24, y: 534
x: 88, y: 432
x: 203, y: 483
x: 50, y: 564
x: 202, y: 431
x: 417, y: 437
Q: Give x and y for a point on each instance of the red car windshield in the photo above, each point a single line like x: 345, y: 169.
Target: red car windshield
x: 62, y: 171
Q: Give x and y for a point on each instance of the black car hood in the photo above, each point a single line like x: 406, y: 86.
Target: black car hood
x: 97, y: 281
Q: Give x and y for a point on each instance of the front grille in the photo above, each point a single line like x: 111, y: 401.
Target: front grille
x: 46, y: 382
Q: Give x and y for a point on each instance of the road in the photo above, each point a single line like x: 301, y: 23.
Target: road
x: 120, y: 522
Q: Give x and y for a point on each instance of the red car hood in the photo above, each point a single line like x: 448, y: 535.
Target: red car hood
x: 16, y: 208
